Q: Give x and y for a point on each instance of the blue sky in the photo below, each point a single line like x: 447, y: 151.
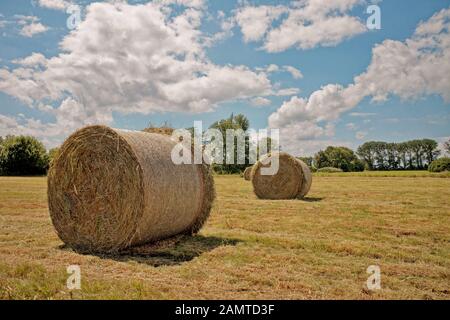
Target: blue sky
x: 398, y: 117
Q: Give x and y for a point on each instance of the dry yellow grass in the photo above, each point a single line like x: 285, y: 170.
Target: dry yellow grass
x: 250, y: 248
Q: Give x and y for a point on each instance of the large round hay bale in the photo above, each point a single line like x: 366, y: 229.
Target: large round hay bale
x: 291, y: 181
x: 111, y: 189
x: 247, y: 173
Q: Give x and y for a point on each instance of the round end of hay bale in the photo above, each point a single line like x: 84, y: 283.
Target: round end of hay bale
x: 286, y: 183
x: 95, y: 190
x: 209, y: 195
x: 307, y: 180
x: 247, y: 173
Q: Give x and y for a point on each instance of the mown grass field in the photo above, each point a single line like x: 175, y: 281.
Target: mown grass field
x: 389, y: 174
x: 250, y: 248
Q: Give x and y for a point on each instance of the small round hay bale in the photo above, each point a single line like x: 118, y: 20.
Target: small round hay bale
x: 247, y: 173
x: 111, y: 189
x: 290, y: 182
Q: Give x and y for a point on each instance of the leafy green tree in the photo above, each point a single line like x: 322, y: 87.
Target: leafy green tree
x: 234, y: 122
x: 402, y: 149
x: 381, y: 155
x: 417, y: 148
x: 357, y: 165
x: 338, y: 157
x: 3, y: 139
x: 392, y: 156
x: 241, y: 122
x: 430, y: 149
x: 23, y: 155
x: 410, y: 152
x: 322, y: 160
x: 367, y: 154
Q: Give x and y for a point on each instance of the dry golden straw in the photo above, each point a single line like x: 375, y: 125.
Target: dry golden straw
x: 111, y: 189
x: 247, y: 173
x: 307, y: 180
x: 161, y: 130
x: 292, y: 181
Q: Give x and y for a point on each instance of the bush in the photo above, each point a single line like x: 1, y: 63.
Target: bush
x: 329, y: 170
x: 23, y: 155
x: 357, y: 166
x: 439, y: 165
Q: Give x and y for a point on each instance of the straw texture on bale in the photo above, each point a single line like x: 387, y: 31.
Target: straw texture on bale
x: 112, y: 189
x: 307, y: 180
x: 247, y: 173
x: 292, y: 181
x: 161, y: 130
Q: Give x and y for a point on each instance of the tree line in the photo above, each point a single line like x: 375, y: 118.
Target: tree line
x: 378, y: 155
x: 409, y: 155
x: 25, y: 155
x: 373, y: 155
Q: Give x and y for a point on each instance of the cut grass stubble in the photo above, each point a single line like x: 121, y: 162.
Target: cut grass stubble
x: 250, y: 248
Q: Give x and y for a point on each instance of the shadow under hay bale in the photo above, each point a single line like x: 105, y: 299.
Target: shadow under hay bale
x: 174, y: 251
x: 312, y: 199
x: 292, y: 180
x: 111, y: 189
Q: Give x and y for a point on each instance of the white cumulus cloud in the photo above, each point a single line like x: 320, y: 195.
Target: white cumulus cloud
x: 33, y: 60
x: 54, y: 4
x: 416, y: 67
x: 131, y: 59
x: 304, y: 24
x: 255, y: 21
x: 30, y: 25
x: 260, y: 102
x: 296, y: 74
